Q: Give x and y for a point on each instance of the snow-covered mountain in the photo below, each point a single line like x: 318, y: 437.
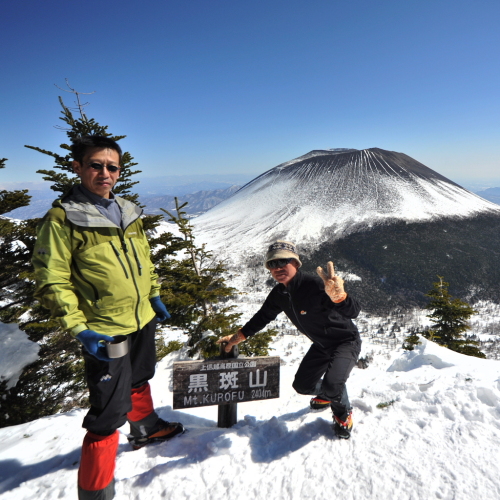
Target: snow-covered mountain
x: 338, y: 192
x: 389, y: 223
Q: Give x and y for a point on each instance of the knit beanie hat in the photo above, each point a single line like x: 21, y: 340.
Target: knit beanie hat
x: 282, y: 250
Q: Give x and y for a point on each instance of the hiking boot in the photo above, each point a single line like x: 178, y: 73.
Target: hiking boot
x: 319, y: 404
x: 343, y: 428
x: 161, y: 431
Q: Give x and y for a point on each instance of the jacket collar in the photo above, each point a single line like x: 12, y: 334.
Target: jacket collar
x: 82, y: 212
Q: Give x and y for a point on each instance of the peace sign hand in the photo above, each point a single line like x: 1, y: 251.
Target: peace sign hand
x: 334, y: 285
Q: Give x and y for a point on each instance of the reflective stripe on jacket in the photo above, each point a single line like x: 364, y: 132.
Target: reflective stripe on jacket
x: 92, y: 274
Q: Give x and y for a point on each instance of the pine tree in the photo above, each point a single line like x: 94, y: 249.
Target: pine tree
x: 80, y: 126
x: 31, y: 397
x: 193, y: 287
x: 12, y: 255
x: 411, y: 341
x: 450, y: 316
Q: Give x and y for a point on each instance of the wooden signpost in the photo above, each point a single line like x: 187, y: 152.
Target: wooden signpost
x: 225, y: 382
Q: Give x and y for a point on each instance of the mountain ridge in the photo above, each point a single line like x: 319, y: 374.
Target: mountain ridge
x: 399, y: 161
x: 490, y: 194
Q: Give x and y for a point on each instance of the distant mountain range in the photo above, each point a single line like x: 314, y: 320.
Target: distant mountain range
x: 390, y: 224
x: 491, y: 194
x: 202, y: 193
x: 198, y: 202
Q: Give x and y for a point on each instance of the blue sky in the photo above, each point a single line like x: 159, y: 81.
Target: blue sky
x: 218, y: 87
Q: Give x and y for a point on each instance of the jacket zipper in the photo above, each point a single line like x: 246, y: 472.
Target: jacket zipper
x: 96, y: 292
x: 125, y: 250
x: 139, y: 265
x: 299, y: 323
x: 117, y: 253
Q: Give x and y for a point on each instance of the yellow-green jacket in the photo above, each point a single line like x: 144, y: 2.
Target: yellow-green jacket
x: 89, y: 272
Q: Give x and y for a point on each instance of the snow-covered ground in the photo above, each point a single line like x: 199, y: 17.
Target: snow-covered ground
x: 427, y: 425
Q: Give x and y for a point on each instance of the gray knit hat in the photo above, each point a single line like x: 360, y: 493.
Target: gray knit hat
x: 282, y: 250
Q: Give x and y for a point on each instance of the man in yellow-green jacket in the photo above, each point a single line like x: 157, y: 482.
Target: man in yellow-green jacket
x: 94, y: 273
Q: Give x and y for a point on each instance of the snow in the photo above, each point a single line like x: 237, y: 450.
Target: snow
x: 16, y: 352
x: 427, y: 426
x: 166, y: 227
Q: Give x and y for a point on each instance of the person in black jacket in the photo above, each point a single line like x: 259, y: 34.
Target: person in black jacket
x: 320, y: 309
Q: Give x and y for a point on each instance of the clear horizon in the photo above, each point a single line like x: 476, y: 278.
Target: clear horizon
x: 37, y: 187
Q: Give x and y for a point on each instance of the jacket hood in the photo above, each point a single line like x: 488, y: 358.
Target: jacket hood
x: 82, y: 212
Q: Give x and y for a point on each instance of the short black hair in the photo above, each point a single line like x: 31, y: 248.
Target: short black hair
x: 81, y: 144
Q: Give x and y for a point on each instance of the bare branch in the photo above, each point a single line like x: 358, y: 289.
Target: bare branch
x: 80, y: 106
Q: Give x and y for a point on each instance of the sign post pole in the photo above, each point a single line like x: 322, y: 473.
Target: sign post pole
x: 227, y: 414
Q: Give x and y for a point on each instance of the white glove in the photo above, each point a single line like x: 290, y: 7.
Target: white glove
x: 334, y: 285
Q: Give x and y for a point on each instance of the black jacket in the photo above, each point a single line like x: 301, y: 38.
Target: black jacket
x: 310, y: 309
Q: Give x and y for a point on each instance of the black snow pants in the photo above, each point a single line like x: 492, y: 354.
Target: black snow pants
x: 110, y: 383
x: 334, y: 364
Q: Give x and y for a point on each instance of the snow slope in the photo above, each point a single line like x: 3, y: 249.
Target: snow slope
x: 438, y: 437
x: 338, y: 191
x: 17, y: 352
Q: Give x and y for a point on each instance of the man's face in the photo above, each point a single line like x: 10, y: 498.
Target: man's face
x: 285, y: 274
x: 102, y: 181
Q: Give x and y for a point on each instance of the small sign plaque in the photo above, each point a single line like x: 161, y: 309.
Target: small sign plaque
x: 225, y: 381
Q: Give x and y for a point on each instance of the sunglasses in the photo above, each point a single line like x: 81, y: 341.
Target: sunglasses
x: 98, y: 166
x: 276, y: 263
